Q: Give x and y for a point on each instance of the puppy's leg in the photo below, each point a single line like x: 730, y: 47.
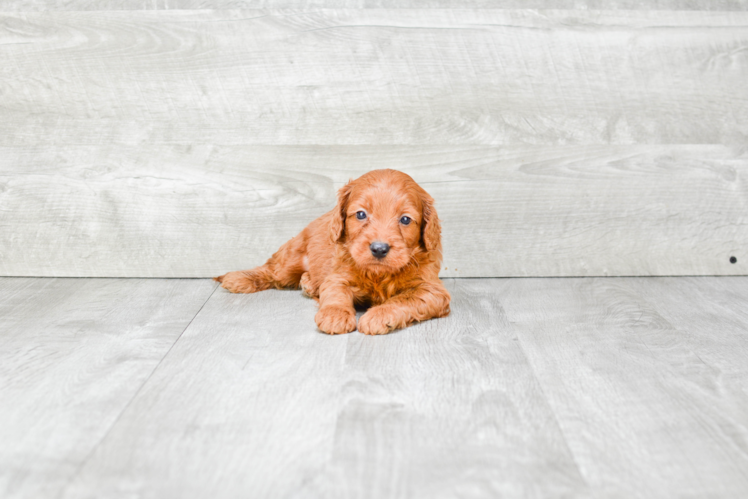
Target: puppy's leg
x: 250, y: 281
x: 336, y: 312
x: 425, y: 301
x: 282, y: 270
x: 308, y: 287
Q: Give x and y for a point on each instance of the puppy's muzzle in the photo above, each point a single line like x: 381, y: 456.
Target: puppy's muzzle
x: 379, y: 249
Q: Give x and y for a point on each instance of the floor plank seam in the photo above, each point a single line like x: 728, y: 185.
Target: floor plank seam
x: 582, y: 476
x: 90, y: 454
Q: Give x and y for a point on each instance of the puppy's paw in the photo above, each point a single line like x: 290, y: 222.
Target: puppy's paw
x: 378, y: 321
x: 335, y: 319
x: 242, y: 282
x: 308, y: 288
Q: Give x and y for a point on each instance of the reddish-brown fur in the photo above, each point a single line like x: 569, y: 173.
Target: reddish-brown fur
x: 332, y: 262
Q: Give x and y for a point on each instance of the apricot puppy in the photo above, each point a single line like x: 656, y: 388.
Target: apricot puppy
x: 380, y: 247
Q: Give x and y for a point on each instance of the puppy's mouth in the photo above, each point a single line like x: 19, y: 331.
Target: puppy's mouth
x: 378, y: 260
x: 378, y: 263
x: 382, y: 265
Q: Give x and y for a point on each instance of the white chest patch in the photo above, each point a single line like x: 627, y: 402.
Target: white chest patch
x: 305, y: 263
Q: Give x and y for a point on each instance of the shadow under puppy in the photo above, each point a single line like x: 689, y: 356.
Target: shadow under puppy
x: 380, y: 247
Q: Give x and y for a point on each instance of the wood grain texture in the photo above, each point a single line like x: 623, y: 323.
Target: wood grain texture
x: 183, y: 143
x: 374, y: 76
x: 245, y: 405
x: 171, y: 211
x: 595, y: 387
x: 649, y: 408
x: 84, y: 5
x: 254, y: 401
x: 449, y: 408
x: 73, y: 353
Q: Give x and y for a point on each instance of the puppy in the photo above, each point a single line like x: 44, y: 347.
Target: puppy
x: 380, y: 247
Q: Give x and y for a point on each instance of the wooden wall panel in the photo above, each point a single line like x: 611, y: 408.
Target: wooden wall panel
x: 82, y: 5
x: 374, y: 77
x: 506, y: 211
x: 191, y: 142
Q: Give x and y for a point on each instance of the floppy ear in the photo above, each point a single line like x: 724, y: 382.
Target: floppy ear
x: 337, y: 224
x: 432, y: 228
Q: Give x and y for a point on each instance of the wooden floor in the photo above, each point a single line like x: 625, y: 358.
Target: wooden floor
x: 633, y: 387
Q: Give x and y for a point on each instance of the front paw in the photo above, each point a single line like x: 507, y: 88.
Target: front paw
x: 378, y: 321
x: 335, y: 319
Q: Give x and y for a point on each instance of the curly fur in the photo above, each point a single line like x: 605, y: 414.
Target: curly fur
x: 332, y: 262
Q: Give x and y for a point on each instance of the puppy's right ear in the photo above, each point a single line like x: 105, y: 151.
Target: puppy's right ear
x: 337, y: 224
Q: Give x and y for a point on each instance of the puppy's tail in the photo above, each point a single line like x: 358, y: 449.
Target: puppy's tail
x: 219, y: 278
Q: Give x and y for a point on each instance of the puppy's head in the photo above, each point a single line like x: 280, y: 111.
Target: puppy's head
x: 384, y: 218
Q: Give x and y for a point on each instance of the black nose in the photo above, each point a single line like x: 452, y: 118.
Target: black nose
x: 379, y: 249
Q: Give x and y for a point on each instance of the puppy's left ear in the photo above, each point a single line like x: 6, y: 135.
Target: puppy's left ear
x: 432, y: 228
x: 337, y: 224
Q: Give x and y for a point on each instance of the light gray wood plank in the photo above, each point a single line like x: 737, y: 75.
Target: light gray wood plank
x: 374, y: 76
x: 170, y: 210
x: 649, y: 409
x: 449, y: 408
x: 534, y: 387
x: 244, y: 405
x: 83, y: 5
x: 713, y: 315
x: 675, y: 300
x: 702, y: 5
x: 124, y: 83
x: 253, y: 401
x: 73, y: 353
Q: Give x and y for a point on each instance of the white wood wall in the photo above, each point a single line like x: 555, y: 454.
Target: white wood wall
x: 597, y: 138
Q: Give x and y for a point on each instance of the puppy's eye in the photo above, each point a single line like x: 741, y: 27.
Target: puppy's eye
x: 405, y: 220
x: 360, y: 215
